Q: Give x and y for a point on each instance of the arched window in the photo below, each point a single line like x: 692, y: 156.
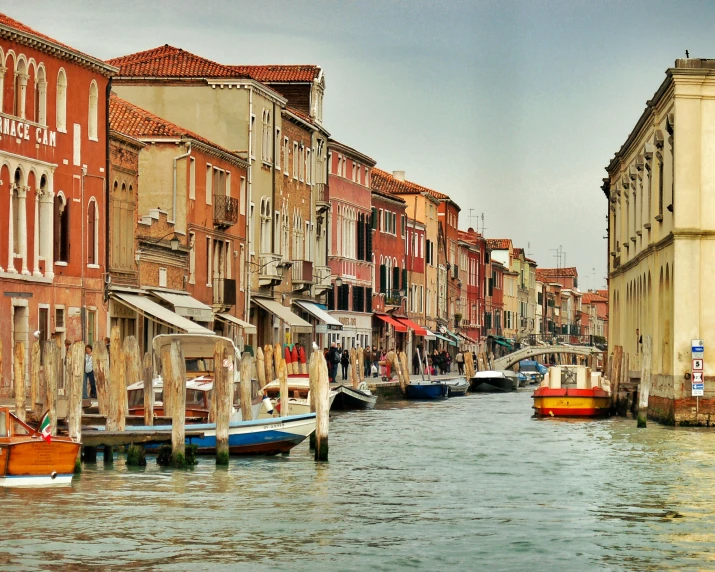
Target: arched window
x: 41, y: 96
x: 43, y: 226
x: 92, y: 232
x: 265, y: 244
x: 61, y: 101
x: 16, y: 218
x: 61, y: 229
x: 93, y: 100
x: 20, y: 87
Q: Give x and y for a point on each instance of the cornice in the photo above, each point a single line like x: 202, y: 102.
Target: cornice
x: 642, y: 255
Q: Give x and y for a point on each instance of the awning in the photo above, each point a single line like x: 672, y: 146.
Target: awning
x: 154, y: 311
x: 419, y: 330
x: 470, y: 340
x: 430, y: 335
x: 247, y: 328
x: 390, y: 320
x: 185, y: 305
x: 316, y: 311
x: 451, y: 335
x: 504, y: 343
x: 297, y: 324
x: 446, y: 339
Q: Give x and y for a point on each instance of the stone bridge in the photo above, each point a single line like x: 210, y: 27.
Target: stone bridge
x: 508, y: 360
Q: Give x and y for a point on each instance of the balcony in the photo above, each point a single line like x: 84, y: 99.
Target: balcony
x: 322, y: 279
x: 322, y: 203
x: 224, y: 292
x: 302, y: 275
x: 270, y: 271
x: 225, y: 211
x: 394, y: 298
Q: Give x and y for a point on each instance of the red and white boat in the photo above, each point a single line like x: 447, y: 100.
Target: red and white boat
x: 581, y: 394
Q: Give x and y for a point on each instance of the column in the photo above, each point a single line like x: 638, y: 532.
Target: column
x: 3, y: 69
x: 22, y: 86
x: 47, y: 204
x: 36, y: 233
x: 11, y: 235
x: 22, y: 231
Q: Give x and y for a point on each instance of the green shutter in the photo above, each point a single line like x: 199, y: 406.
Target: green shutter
x: 374, y: 218
x: 383, y: 279
x: 404, y: 279
x: 395, y: 280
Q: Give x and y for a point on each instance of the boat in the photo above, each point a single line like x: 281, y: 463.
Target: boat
x: 346, y: 397
x: 259, y: 437
x: 457, y: 387
x: 29, y: 457
x: 523, y: 380
x: 584, y: 398
x: 427, y: 390
x: 494, y: 381
x: 298, y: 396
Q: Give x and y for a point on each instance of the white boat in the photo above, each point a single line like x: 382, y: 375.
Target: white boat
x: 298, y: 396
x: 348, y: 398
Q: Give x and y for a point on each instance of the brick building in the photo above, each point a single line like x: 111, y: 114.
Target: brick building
x: 53, y: 161
x: 474, y: 286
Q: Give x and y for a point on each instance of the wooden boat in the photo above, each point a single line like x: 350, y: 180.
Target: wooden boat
x: 298, y: 400
x: 427, y: 390
x: 494, y: 382
x: 457, y: 387
x: 571, y: 402
x: 28, y: 459
x: 260, y: 437
x: 348, y: 398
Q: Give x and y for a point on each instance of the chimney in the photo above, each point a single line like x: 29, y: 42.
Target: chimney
x: 399, y: 175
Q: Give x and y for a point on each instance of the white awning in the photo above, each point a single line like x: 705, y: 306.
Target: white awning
x: 185, y: 305
x: 297, y: 324
x: 154, y: 311
x: 430, y: 335
x: 320, y: 314
x: 247, y: 328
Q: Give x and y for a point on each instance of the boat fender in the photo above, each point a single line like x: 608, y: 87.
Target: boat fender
x: 268, y: 405
x: 362, y: 386
x: 53, y: 476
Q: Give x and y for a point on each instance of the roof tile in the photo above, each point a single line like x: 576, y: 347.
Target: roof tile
x: 568, y: 272
x: 280, y: 73
x: 498, y: 243
x: 383, y: 181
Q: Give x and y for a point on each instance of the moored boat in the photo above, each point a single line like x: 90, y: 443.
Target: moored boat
x: 584, y: 398
x: 29, y: 457
x: 494, y: 382
x: 298, y: 396
x: 457, y: 387
x: 346, y: 397
x: 427, y: 390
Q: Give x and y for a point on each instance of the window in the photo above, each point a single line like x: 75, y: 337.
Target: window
x: 92, y: 232
x: 266, y: 140
x: 307, y: 166
x: 228, y: 183
x: 242, y: 196
x: 253, y: 137
x: 61, y: 229
x: 295, y: 159
x: 209, y: 260
x: 59, y: 318
x: 77, y: 145
x: 192, y: 178
x: 403, y: 225
x: 41, y: 96
x: 162, y: 277
x: 286, y: 153
x: 242, y: 269
x: 93, y: 101
x: 61, y: 118
x: 265, y: 236
x: 278, y: 148
x: 91, y: 326
x: 209, y: 182
x: 192, y: 258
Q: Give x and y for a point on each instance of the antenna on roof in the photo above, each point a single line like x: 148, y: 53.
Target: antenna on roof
x: 470, y: 219
x: 483, y: 227
x: 687, y: 54
x: 528, y: 249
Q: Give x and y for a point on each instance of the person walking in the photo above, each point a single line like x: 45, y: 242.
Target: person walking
x: 416, y: 362
x: 88, y: 374
x: 333, y: 361
x: 459, y: 358
x: 345, y: 362
x: 367, y: 359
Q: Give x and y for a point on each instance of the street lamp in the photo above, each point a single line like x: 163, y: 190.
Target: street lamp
x: 338, y: 282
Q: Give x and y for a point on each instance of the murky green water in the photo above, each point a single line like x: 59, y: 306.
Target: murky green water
x: 472, y: 483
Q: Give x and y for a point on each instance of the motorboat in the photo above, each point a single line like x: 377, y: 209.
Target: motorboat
x: 298, y: 396
x: 427, y: 390
x: 495, y: 381
x: 572, y: 391
x: 457, y: 387
x: 31, y: 457
x: 347, y: 397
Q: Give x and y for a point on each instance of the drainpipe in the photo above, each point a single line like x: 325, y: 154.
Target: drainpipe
x: 249, y: 217
x: 106, y: 196
x: 173, y: 208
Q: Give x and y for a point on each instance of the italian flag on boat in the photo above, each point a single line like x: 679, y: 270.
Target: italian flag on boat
x: 46, y: 427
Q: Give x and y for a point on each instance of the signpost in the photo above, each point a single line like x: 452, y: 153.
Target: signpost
x: 698, y: 353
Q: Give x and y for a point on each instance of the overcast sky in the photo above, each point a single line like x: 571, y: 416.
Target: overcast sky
x: 511, y: 108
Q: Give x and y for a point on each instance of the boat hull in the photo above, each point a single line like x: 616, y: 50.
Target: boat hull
x: 457, y: 387
x: 34, y: 462
x: 569, y: 402
x: 347, y: 398
x: 427, y: 391
x: 493, y: 385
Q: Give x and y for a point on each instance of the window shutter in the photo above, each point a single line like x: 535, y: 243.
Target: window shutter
x: 56, y: 230
x: 374, y: 218
x: 368, y: 300
x: 360, y: 238
x: 368, y: 242
x: 331, y: 297
x: 395, y: 279
x: 65, y: 234
x: 383, y: 279
x: 404, y: 279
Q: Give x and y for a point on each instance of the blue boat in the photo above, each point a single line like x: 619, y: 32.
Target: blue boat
x: 432, y: 390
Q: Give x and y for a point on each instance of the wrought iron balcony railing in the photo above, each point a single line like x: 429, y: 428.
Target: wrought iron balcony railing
x: 225, y: 210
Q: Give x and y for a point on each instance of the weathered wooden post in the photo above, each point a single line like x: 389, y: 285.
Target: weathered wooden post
x: 313, y: 369
x: 74, y: 400
x: 616, y: 372
x: 19, y: 380
x: 260, y: 367
x: 35, y: 394
x: 100, y: 359
x: 646, y: 380
x: 405, y: 368
x: 353, y: 367
x: 284, y: 398
x: 361, y: 364
x: 148, y: 376
x: 174, y: 369
x: 115, y: 419
x: 52, y: 363
x: 132, y: 368
x: 277, y: 357
x: 245, y: 387
x: 268, y: 358
x: 322, y: 407
x: 222, y: 396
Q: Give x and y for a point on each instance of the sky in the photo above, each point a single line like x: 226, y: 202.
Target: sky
x: 513, y: 109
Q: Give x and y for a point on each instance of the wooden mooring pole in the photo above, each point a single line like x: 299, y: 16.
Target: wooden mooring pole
x: 74, y: 401
x: 245, y: 387
x: 260, y: 368
x: 52, y: 361
x: 174, y: 373
x: 148, y: 377
x: 322, y: 405
x: 100, y: 359
x: 284, y: 397
x: 268, y: 362
x: 36, y: 395
x: 646, y: 380
x: 19, y: 380
x: 223, y: 378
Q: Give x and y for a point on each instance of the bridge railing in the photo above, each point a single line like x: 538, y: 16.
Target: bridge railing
x: 557, y: 339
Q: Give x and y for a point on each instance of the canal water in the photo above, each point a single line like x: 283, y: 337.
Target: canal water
x: 472, y: 483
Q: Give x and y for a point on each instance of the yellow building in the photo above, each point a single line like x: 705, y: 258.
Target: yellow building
x: 661, y: 205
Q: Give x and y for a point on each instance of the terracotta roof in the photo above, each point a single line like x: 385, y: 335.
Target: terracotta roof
x: 301, y: 114
x: 170, y: 62
x: 590, y: 297
x: 518, y: 251
x: 389, y: 196
x: 498, y: 243
x: 530, y: 260
x: 568, y: 272
x: 280, y: 73
x: 603, y: 293
x: 5, y: 20
x: 383, y: 181
x: 467, y: 236
x: 141, y: 124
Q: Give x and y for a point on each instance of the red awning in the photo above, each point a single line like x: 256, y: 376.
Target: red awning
x: 390, y: 320
x: 419, y: 330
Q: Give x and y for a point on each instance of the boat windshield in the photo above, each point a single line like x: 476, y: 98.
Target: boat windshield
x: 136, y: 397
x: 19, y: 429
x: 195, y: 397
x: 199, y: 365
